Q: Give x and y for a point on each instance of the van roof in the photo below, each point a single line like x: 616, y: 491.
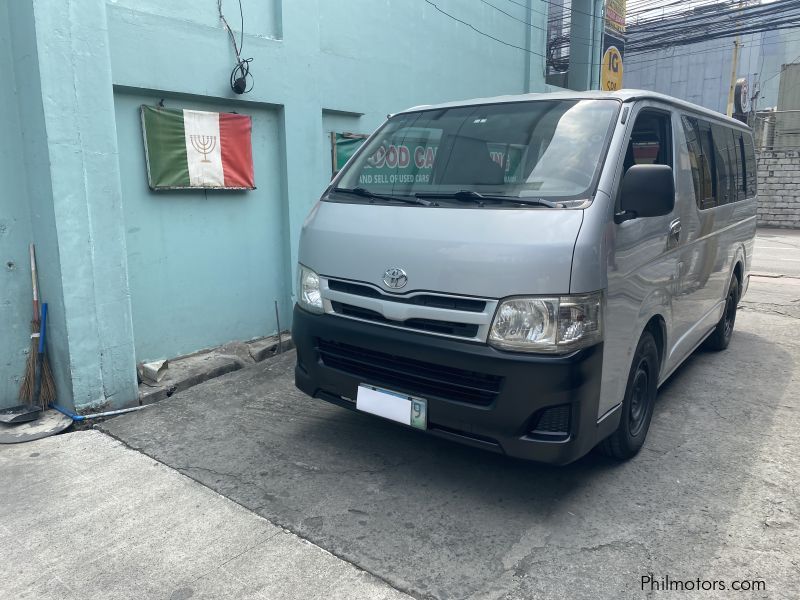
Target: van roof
x: 626, y: 95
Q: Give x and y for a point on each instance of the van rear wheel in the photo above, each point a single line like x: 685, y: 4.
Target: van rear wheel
x: 638, y: 403
x: 723, y: 332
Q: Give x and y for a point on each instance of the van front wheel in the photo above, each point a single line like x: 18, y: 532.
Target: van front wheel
x: 723, y: 332
x: 638, y: 403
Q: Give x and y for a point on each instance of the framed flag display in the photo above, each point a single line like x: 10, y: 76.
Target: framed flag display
x: 194, y: 149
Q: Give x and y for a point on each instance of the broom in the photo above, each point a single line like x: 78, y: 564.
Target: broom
x: 26, y: 390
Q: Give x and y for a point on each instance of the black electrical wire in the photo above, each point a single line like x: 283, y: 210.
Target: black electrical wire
x: 556, y: 3
x: 528, y: 23
x: 239, y: 81
x: 476, y: 30
x: 505, y: 43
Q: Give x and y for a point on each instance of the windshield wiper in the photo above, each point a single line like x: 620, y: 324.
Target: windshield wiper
x: 471, y: 196
x: 365, y: 193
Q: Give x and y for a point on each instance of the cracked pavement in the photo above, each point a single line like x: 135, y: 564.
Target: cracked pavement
x: 713, y: 495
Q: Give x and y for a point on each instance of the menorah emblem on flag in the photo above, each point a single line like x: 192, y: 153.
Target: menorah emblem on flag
x: 204, y: 144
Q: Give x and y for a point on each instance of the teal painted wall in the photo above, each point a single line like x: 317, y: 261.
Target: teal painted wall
x: 204, y: 267
x: 136, y: 275
x: 15, y: 231
x: 29, y: 156
x: 65, y: 113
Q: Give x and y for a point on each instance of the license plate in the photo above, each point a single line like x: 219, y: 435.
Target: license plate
x: 402, y: 408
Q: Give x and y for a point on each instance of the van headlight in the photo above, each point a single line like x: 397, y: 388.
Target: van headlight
x: 551, y: 325
x: 308, y: 292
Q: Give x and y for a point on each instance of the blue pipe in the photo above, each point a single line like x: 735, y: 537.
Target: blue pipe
x: 108, y: 413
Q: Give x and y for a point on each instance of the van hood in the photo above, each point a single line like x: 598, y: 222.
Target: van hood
x: 485, y: 252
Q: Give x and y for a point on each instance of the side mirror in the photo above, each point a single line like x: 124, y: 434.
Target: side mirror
x: 647, y: 191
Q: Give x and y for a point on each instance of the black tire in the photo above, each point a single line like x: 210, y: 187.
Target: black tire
x: 638, y: 403
x: 723, y: 332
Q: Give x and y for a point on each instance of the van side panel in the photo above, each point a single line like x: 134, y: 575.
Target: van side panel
x: 697, y: 290
x: 641, y: 273
x: 715, y: 239
x: 683, y: 287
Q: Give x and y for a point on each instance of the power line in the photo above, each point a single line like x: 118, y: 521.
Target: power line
x: 483, y: 33
x: 528, y: 23
x: 685, y: 28
x: 719, y: 48
x: 557, y: 5
x: 680, y: 23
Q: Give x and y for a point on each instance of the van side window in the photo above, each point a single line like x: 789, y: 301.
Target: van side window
x: 701, y: 156
x: 736, y: 166
x: 742, y: 165
x: 750, y: 167
x: 726, y: 163
x: 651, y: 140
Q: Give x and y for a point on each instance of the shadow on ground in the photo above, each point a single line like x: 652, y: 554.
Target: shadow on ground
x: 438, y: 519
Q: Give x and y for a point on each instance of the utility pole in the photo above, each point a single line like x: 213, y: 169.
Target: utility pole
x: 734, y: 65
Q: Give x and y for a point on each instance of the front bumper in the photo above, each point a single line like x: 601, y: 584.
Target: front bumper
x: 476, y: 394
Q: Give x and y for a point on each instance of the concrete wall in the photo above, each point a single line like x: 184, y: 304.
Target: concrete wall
x: 779, y: 188
x: 15, y: 230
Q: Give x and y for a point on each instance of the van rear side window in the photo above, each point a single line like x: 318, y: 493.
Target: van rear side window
x: 701, y: 156
x: 750, y: 169
x: 726, y: 163
x: 723, y: 162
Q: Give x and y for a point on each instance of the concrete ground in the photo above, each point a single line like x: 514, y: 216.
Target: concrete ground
x: 713, y: 496
x: 777, y: 252
x: 83, y: 516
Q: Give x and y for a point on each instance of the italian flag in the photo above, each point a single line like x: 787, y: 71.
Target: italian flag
x: 197, y: 149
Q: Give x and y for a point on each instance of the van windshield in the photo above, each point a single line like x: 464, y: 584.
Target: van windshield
x: 542, y: 150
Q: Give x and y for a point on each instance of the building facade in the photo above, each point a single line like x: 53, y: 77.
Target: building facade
x: 701, y: 72
x: 130, y: 274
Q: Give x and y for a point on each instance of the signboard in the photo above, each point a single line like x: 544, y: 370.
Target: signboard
x: 741, y: 97
x: 343, y: 146
x: 611, y: 69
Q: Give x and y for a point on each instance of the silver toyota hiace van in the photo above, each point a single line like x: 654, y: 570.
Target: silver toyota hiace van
x: 521, y: 273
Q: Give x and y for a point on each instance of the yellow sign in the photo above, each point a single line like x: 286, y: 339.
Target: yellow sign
x: 611, y: 74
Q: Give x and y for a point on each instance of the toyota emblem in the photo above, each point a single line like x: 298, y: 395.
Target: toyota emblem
x: 395, y: 278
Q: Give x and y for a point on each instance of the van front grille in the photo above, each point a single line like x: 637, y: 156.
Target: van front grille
x: 414, y: 377
x: 429, y: 300
x: 465, y: 330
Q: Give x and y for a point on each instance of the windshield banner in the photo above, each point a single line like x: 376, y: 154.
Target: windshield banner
x: 412, y: 162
